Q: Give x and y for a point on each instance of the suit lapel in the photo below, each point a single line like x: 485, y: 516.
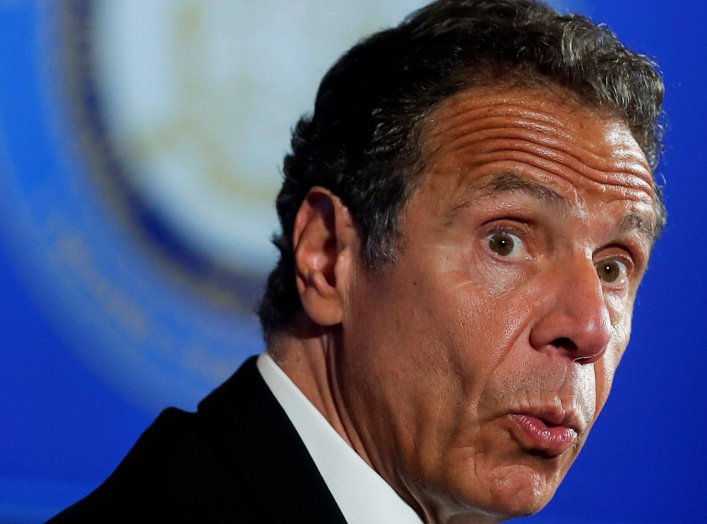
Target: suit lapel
x: 259, y: 438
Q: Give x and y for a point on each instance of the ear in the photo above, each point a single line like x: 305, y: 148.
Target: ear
x: 325, y: 242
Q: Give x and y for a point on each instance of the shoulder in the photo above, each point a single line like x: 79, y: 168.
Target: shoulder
x: 184, y: 467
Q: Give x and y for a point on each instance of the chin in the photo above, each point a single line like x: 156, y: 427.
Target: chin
x: 515, y: 491
x: 521, y: 492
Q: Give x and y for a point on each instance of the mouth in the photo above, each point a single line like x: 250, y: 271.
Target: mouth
x: 549, y: 433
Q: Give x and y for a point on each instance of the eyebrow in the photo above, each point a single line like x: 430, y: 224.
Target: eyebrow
x: 645, y: 226
x: 511, y: 182
x: 505, y: 183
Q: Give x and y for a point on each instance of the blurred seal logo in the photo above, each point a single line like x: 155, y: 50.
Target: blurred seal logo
x: 166, y: 123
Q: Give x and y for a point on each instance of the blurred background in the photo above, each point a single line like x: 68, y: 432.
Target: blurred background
x: 140, y: 145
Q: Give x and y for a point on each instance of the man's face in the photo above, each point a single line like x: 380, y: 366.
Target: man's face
x: 473, y: 368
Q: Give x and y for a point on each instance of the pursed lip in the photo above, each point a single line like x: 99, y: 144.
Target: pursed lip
x: 549, y: 431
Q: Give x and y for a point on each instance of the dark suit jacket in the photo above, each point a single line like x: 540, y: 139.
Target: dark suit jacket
x: 238, y: 459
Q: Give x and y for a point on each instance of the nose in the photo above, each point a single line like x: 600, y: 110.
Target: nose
x: 576, y: 318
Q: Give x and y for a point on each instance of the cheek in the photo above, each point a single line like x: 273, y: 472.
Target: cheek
x: 488, y: 301
x: 620, y: 308
x: 473, y: 333
x: 618, y: 344
x: 401, y: 357
x: 493, y: 315
x: 604, y: 371
x: 604, y: 376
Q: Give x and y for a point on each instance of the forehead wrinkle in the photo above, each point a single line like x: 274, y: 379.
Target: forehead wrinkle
x: 461, y: 120
x: 621, y: 169
x: 544, y: 135
x: 623, y: 182
x: 464, y: 122
x: 496, y: 104
x: 520, y: 107
x: 615, y: 180
x: 499, y: 110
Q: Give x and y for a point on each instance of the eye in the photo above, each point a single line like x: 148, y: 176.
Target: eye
x: 505, y: 244
x: 612, y: 271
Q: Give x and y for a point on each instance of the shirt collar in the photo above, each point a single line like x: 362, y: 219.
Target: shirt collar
x: 362, y: 495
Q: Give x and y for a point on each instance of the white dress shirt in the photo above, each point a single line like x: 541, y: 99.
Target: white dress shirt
x: 362, y: 495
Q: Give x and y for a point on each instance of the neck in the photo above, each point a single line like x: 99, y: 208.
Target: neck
x: 309, y: 361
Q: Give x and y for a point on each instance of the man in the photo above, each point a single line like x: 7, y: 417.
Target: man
x: 466, y: 218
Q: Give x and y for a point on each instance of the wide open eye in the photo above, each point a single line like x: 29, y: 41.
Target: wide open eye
x: 612, y: 271
x: 505, y: 244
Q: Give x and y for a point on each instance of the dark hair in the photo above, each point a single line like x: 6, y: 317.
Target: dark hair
x: 362, y: 142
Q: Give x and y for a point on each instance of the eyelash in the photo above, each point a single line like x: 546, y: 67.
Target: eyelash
x: 512, y: 226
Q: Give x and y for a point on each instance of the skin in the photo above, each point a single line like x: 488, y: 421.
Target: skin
x: 510, y: 301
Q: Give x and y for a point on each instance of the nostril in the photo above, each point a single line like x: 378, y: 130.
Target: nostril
x: 564, y: 343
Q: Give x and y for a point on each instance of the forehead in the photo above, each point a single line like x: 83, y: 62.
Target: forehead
x: 542, y: 135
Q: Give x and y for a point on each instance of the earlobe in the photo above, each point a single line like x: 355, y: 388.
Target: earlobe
x: 324, y: 240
